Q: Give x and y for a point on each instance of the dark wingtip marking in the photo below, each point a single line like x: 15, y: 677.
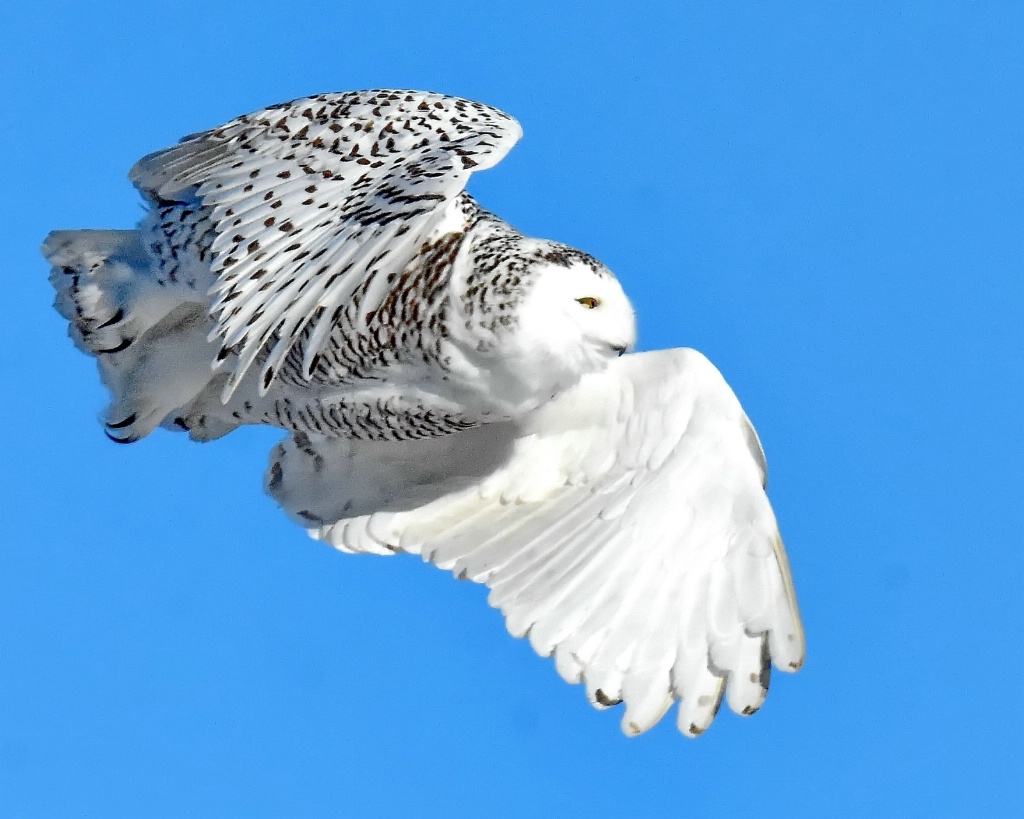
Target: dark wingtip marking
x: 123, y: 345
x: 116, y: 440
x: 604, y: 699
x: 114, y: 319
x: 128, y: 421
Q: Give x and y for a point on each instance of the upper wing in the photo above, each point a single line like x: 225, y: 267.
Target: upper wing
x: 623, y: 527
x: 312, y: 198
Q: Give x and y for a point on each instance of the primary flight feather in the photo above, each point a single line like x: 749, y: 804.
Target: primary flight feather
x: 451, y: 388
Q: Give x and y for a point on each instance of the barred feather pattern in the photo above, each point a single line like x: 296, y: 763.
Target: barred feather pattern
x: 314, y: 197
x: 451, y: 388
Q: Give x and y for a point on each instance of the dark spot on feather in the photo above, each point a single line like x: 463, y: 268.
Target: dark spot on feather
x: 123, y: 422
x: 122, y: 346
x: 276, y: 476
x: 114, y: 319
x: 604, y: 699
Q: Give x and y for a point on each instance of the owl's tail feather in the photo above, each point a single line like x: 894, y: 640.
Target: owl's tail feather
x: 148, y: 338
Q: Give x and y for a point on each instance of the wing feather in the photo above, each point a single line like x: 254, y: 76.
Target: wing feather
x: 317, y: 197
x: 624, y: 530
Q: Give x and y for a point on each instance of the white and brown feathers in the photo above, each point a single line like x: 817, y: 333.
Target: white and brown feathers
x: 310, y: 200
x: 451, y: 388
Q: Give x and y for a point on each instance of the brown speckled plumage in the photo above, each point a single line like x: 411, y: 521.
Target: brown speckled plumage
x: 451, y: 388
x: 345, y: 276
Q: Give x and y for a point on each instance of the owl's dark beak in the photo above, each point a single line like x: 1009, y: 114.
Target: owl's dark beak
x: 618, y: 350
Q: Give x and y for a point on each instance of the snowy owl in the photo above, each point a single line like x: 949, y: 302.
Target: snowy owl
x: 450, y: 388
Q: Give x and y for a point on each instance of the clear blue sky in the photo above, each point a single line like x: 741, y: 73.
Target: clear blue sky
x: 827, y: 199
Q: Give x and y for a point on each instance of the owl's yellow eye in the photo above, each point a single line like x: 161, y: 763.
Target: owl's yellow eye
x: 589, y: 302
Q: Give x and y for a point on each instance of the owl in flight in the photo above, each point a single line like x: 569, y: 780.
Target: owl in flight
x: 449, y: 388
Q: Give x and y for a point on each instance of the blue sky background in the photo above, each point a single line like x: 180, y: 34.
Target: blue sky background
x: 827, y: 199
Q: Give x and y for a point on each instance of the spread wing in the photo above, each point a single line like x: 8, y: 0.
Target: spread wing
x: 319, y: 201
x: 623, y: 528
